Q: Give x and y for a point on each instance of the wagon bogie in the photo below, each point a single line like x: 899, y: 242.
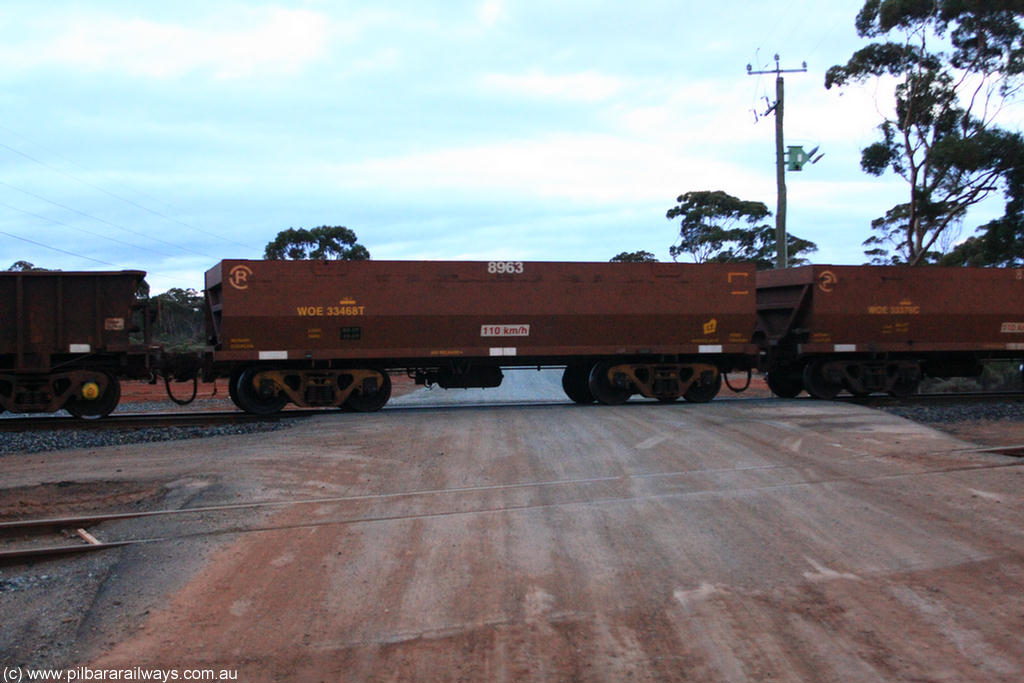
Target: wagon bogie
x: 265, y: 390
x: 615, y: 382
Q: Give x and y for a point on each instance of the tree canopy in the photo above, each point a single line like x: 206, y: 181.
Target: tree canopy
x: 634, y: 257
x: 24, y: 267
x: 335, y: 243
x: 716, y: 227
x: 957, y: 64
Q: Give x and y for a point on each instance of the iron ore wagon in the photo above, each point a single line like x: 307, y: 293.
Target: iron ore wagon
x: 329, y: 333
x: 882, y: 328
x: 65, y: 340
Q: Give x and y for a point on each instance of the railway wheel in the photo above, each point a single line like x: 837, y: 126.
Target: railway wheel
x: 369, y: 403
x: 699, y: 392
x: 784, y: 384
x: 905, y: 385
x: 576, y: 383
x: 233, y: 388
x: 251, y: 399
x: 606, y: 390
x: 817, y: 382
x: 91, y: 402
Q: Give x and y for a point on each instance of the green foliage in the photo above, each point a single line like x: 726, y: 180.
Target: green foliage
x: 940, y: 137
x: 181, y: 319
x: 25, y: 267
x: 634, y: 257
x: 1001, y: 243
x: 716, y: 227
x: 325, y: 242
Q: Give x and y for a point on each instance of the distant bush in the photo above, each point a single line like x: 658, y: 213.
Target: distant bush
x: 180, y: 320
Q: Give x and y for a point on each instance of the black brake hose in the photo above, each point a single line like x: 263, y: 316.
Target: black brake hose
x: 746, y: 386
x: 170, y: 395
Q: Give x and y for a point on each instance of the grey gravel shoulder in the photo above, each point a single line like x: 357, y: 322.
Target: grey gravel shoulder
x: 58, y: 440
x: 963, y: 412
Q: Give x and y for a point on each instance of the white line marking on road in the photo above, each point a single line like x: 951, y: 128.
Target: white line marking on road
x: 647, y: 444
x: 823, y: 573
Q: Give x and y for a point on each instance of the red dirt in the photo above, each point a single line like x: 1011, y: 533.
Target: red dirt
x: 734, y: 542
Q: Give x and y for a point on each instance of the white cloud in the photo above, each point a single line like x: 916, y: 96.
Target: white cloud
x: 490, y: 12
x: 587, y: 86
x: 384, y: 58
x: 588, y: 168
x: 274, y: 41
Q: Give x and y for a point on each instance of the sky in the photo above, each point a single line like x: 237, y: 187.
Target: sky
x: 166, y: 136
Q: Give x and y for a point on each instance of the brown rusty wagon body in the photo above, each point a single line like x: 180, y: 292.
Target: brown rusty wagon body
x: 882, y: 328
x: 64, y: 340
x: 328, y: 332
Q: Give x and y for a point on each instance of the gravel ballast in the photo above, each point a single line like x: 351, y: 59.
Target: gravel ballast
x: 959, y: 412
x: 35, y: 442
x: 63, y: 439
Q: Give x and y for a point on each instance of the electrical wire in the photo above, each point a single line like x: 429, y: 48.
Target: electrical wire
x: 76, y: 228
x: 86, y: 215
x: 62, y: 251
x: 117, y: 196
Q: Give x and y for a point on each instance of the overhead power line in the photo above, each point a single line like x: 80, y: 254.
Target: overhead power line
x: 91, y: 217
x: 108, y: 192
x: 77, y: 229
x: 62, y: 251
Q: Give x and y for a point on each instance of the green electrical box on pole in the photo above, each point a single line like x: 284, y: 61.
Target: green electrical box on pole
x: 796, y: 157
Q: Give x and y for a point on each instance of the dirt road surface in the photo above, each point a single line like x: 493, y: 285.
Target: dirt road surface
x: 760, y: 540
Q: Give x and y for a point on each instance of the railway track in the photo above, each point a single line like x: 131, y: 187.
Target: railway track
x: 203, y: 419
x: 145, y: 420
x: 37, y: 539
x: 935, y: 399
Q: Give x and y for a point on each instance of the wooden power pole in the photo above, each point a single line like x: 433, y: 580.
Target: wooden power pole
x: 781, y: 257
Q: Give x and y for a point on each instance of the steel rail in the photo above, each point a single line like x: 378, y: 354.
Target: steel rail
x: 35, y: 526
x: 197, y: 418
x: 935, y: 399
x: 145, y: 420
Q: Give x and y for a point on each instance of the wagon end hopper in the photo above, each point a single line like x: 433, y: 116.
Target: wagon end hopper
x: 880, y: 328
x: 459, y: 323
x: 65, y: 340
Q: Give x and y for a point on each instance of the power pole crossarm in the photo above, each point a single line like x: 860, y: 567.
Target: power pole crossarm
x: 781, y: 258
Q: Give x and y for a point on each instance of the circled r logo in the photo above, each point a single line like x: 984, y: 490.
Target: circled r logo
x: 239, y: 276
x: 827, y: 281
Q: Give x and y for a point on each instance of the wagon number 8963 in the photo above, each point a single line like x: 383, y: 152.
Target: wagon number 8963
x: 505, y: 267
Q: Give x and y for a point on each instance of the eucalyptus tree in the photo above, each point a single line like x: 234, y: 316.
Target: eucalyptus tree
x: 957, y: 64
x: 336, y: 243
x: 634, y: 257
x: 716, y: 227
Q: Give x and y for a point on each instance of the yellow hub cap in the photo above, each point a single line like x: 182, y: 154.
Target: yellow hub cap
x: 90, y: 391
